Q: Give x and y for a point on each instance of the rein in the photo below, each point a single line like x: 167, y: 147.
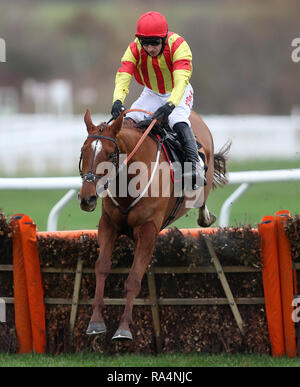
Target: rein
x: 92, y: 177
x: 145, y: 134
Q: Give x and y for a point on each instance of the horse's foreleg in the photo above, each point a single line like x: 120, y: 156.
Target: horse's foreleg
x: 145, y: 239
x: 106, y: 238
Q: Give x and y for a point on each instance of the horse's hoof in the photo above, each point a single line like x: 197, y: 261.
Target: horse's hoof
x: 206, y: 222
x: 95, y: 328
x: 122, y: 334
x: 213, y: 218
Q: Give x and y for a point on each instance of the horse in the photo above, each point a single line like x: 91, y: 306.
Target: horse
x: 141, y: 218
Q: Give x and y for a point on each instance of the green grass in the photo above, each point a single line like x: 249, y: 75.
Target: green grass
x: 166, y: 360
x: 260, y: 199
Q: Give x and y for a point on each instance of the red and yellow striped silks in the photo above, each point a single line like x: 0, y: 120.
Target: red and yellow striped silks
x: 169, y: 72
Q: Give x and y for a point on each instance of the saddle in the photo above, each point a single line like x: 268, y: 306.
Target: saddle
x: 172, y: 147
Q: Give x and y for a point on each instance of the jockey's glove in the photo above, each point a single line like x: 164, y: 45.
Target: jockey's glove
x: 164, y: 111
x: 117, y: 109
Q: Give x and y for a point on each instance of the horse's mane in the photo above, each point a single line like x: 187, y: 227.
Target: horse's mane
x: 128, y: 123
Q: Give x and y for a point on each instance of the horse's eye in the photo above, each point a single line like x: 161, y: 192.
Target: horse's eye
x: 111, y: 155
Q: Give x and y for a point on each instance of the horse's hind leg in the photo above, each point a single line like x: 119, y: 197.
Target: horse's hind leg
x: 145, y: 239
x: 205, y: 218
x: 106, y: 238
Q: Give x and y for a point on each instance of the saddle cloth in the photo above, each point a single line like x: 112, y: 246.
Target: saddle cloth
x: 172, y: 147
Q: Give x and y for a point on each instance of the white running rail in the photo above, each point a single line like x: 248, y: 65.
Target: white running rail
x: 73, y: 184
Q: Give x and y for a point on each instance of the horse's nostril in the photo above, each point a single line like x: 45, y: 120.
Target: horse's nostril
x: 92, y: 199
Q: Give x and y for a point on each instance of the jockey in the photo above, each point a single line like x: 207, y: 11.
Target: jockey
x: 161, y: 61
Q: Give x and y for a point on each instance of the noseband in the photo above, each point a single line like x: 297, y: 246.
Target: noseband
x: 90, y: 176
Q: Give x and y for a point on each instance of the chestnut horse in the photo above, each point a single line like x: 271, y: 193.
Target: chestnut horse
x: 144, y: 218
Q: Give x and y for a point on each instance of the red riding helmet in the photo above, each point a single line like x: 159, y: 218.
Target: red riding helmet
x: 152, y: 24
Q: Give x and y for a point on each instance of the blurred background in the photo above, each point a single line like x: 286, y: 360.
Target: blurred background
x: 62, y: 57
x: 241, y: 51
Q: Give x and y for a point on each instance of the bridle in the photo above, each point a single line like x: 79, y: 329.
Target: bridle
x: 90, y: 176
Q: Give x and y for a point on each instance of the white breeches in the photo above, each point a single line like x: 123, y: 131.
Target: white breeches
x: 151, y: 101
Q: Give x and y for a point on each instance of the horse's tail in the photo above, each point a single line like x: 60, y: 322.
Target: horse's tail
x: 220, y: 159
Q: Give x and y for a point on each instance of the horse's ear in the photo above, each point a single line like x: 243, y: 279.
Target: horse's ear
x: 117, y: 124
x: 88, y: 121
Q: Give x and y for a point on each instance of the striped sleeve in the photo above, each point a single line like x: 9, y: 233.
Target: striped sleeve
x: 125, y: 72
x: 182, y: 67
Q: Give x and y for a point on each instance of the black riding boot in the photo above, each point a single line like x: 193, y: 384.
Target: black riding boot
x: 188, y: 141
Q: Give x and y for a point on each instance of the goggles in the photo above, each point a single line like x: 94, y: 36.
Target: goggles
x: 150, y: 41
